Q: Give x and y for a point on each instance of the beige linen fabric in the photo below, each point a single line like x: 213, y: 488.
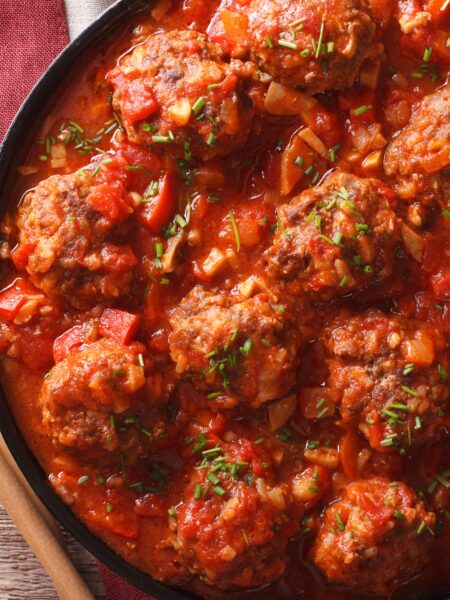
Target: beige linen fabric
x: 81, y: 12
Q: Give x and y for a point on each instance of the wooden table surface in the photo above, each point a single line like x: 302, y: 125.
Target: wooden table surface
x: 23, y: 578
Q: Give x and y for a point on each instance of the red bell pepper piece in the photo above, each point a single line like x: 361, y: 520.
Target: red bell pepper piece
x: 66, y: 343
x: 12, y: 299
x: 118, y: 325
x: 161, y: 208
x: 138, y: 101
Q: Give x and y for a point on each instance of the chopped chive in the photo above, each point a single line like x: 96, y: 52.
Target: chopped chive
x: 287, y: 44
x: 218, y: 490
x: 83, y: 479
x: 299, y: 161
x: 443, y: 374
x: 211, y: 140
x: 109, y: 507
x: 259, y: 441
x: 245, y: 349
x: 418, y: 423
x: 408, y: 390
x: 235, y: 230
x: 319, y: 43
x: 362, y: 109
x: 213, y: 478
x: 324, y: 411
x: 172, y: 512
x: 409, y: 368
x: 268, y: 41
x: 198, y: 491
x: 330, y: 47
x: 306, y: 52
x: 398, y: 515
x: 213, y: 86
x: 433, y: 485
x: 344, y: 281
x: 313, y: 489
x: 198, y: 105
x: 442, y: 481
x: 161, y: 139
x: 213, y: 395
x: 421, y: 528
x: 339, y: 521
x: 310, y: 444
x: 416, y: 74
x: 297, y: 22
x: 427, y: 54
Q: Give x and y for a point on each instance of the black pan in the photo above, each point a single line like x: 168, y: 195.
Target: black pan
x: 12, y: 154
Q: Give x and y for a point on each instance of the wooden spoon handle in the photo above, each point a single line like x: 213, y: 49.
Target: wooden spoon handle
x: 40, y: 536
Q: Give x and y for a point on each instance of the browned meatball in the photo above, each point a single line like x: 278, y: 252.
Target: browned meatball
x: 231, y: 526
x: 66, y: 227
x: 389, y: 376
x: 91, y: 395
x: 235, y: 348
x: 175, y: 88
x: 317, y: 45
x: 375, y: 538
x: 423, y: 147
x: 335, y: 238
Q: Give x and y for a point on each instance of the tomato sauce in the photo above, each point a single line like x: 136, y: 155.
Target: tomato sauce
x: 206, y: 224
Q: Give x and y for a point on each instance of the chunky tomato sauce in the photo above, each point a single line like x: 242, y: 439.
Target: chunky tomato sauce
x: 225, y: 312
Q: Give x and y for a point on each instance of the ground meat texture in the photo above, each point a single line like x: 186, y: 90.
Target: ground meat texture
x: 376, y: 537
x: 335, y: 238
x: 236, y: 349
x: 69, y: 248
x: 423, y: 147
x: 91, y: 399
x: 176, y: 88
x: 390, y: 375
x: 283, y: 38
x: 232, y: 530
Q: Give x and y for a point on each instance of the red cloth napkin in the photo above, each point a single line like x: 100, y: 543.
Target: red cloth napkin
x: 32, y: 34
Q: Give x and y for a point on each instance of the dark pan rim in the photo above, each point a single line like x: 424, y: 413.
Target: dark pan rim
x: 18, y: 131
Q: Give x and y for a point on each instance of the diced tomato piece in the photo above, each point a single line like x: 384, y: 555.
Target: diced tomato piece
x: 151, y: 506
x: 21, y: 253
x: 35, y: 348
x: 13, y: 298
x: 110, y: 200
x: 370, y: 498
x: 161, y: 208
x: 117, y: 259
x: 375, y: 433
x: 160, y: 341
x: 66, y: 343
x: 441, y: 284
x: 349, y: 448
x: 227, y: 86
x: 138, y: 101
x: 118, y: 325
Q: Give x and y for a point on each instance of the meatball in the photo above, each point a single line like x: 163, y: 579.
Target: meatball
x: 235, y: 348
x: 376, y: 537
x: 231, y: 526
x: 335, y: 238
x: 98, y: 401
x: 423, y: 147
x: 65, y: 232
x: 176, y: 88
x: 316, y: 45
x: 389, y: 376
